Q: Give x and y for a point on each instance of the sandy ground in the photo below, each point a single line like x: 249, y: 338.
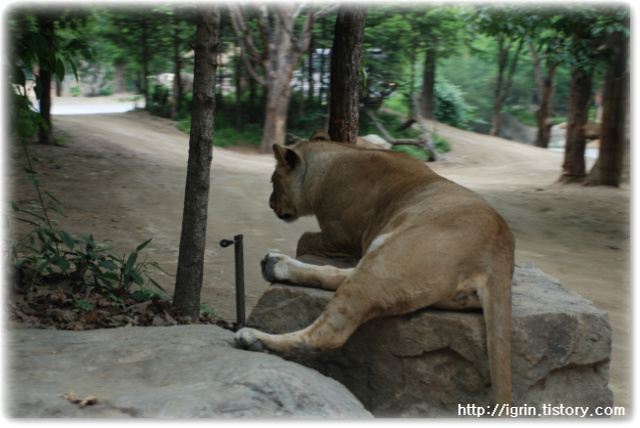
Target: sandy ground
x: 121, y: 177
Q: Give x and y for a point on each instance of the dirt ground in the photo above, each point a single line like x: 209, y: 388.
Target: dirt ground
x: 121, y: 178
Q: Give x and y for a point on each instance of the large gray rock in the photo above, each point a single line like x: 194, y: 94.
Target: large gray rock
x: 162, y: 372
x: 432, y: 362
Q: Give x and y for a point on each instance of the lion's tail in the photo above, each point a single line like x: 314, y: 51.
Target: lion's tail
x: 496, y: 304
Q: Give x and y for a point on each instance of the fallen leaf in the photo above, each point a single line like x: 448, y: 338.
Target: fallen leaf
x: 70, y: 396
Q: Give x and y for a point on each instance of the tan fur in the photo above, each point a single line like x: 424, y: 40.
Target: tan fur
x: 419, y: 240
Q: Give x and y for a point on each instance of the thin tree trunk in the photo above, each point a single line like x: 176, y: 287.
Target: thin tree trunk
x: 504, y: 84
x: 238, y: 85
x: 428, y: 84
x: 573, y: 168
x: 346, y: 56
x: 310, y: 79
x: 177, y: 87
x: 189, y: 276
x: 119, y: 85
x: 545, y: 92
x: 543, y: 114
x: 614, y: 102
x: 277, y: 104
x: 46, y: 29
x: 145, y: 61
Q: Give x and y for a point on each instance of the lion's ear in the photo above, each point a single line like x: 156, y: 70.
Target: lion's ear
x: 320, y: 135
x: 285, y: 157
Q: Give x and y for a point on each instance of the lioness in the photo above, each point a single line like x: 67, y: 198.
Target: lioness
x: 421, y: 240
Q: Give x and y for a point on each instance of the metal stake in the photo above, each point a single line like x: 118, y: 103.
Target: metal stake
x: 239, y: 260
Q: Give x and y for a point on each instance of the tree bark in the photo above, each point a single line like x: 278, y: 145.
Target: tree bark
x: 545, y: 92
x: 428, y: 84
x: 45, y: 130
x: 145, y: 60
x: 573, y: 168
x: 186, y: 298
x: 504, y: 83
x: 346, y: 57
x: 119, y: 84
x: 608, y: 168
x: 177, y: 83
x: 278, y: 60
x: 239, y: 95
x: 543, y: 114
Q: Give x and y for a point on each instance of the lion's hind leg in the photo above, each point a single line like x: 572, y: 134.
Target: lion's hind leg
x: 284, y: 269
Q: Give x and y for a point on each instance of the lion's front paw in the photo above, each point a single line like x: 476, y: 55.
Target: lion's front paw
x: 274, y: 268
x: 247, y: 338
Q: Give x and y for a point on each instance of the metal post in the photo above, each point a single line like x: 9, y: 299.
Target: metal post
x: 239, y: 259
x: 239, y: 253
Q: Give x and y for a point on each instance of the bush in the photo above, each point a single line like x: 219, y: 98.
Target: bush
x: 450, y: 106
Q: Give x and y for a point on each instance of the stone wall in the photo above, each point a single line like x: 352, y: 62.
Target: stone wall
x: 431, y: 363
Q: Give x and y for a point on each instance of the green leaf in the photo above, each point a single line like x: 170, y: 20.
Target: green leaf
x: 56, y: 209
x: 53, y: 197
x: 43, y: 266
x: 131, y: 261
x: 115, y: 298
x: 61, y: 262
x: 84, y: 305
x: 66, y: 239
x: 60, y: 68
x: 137, y: 277
x: 156, y: 284
x: 33, y: 223
x: 34, y: 180
x: 144, y: 244
x: 112, y: 276
x: 108, y: 264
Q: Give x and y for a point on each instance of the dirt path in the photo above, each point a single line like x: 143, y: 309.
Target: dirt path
x: 121, y: 177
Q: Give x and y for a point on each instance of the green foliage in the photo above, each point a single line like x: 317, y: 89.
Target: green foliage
x: 34, y: 46
x: 50, y: 252
x: 24, y: 118
x: 391, y: 122
x: 450, y: 106
x: 441, y: 145
x: 415, y: 151
x: 54, y: 252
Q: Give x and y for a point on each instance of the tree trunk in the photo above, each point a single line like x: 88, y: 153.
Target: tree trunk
x: 428, y: 84
x: 119, y: 85
x: 310, y: 80
x: 545, y: 92
x: 45, y: 132
x: 275, y: 119
x: 614, y: 105
x: 346, y: 57
x: 186, y: 298
x: 573, y: 168
x: 278, y: 76
x: 238, y: 85
x: 145, y: 61
x: 543, y: 114
x: 504, y: 82
x: 177, y: 87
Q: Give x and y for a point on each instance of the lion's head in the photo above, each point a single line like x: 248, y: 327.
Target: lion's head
x: 287, y: 199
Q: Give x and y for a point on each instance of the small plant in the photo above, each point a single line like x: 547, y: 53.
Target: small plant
x: 81, y: 261
x: 51, y: 254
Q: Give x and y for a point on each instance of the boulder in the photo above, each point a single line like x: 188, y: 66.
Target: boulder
x: 433, y: 363
x: 161, y: 372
